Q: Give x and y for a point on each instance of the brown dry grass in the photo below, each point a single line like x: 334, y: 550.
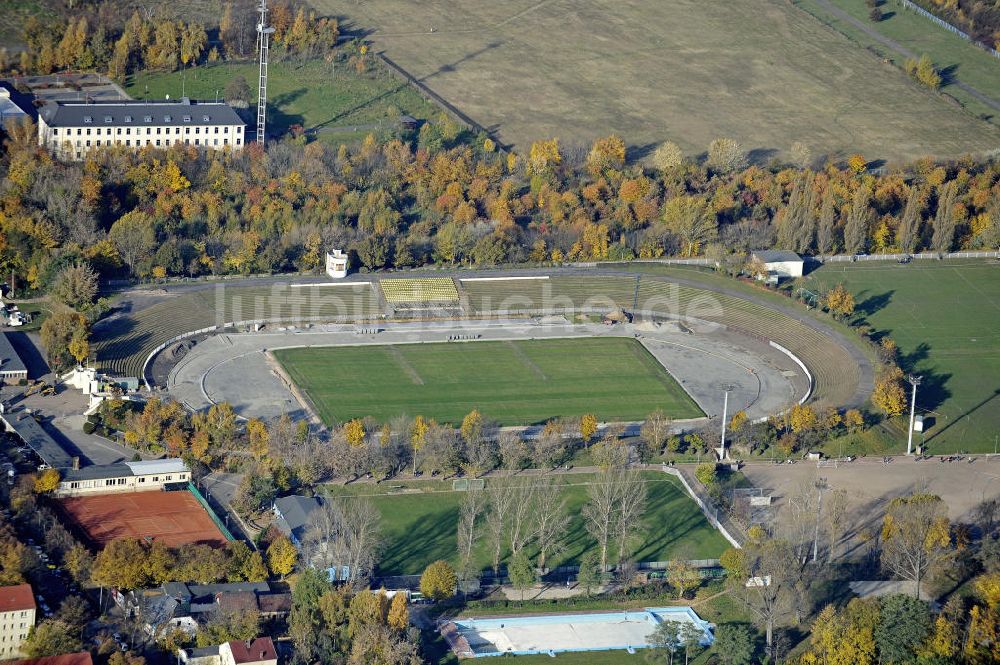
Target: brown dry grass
x: 761, y: 71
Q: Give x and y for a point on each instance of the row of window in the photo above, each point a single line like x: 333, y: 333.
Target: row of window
x: 139, y: 142
x: 5, y: 627
x: 14, y: 638
x: 80, y: 131
x: 23, y: 614
x: 148, y: 118
x: 77, y: 484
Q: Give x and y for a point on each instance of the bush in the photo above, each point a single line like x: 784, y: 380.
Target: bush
x: 875, y: 15
x: 706, y: 474
x: 89, y: 427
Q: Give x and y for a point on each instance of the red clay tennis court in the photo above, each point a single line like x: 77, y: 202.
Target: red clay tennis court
x: 173, y: 518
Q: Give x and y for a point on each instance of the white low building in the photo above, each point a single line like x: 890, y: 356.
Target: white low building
x: 780, y: 263
x: 124, y: 477
x: 71, y: 129
x: 336, y: 264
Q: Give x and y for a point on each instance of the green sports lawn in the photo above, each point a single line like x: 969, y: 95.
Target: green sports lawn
x: 513, y: 382
x: 943, y: 315
x: 419, y: 523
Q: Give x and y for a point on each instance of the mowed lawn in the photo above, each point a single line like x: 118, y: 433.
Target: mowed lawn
x: 419, y: 523
x: 944, y: 317
x: 763, y: 72
x: 319, y: 96
x: 512, y: 382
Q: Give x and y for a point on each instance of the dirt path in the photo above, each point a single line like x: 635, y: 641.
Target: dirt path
x: 899, y: 48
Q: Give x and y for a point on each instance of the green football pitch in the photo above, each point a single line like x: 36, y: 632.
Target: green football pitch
x: 944, y: 316
x: 420, y: 519
x: 513, y: 382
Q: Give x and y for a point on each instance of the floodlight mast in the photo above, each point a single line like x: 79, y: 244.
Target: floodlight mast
x: 914, y: 381
x: 263, y: 38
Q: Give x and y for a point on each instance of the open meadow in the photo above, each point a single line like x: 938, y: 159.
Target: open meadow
x: 943, y: 315
x: 764, y: 72
x: 420, y: 518
x: 330, y: 99
x: 512, y: 382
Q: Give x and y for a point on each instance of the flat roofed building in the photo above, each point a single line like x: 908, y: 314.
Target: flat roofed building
x: 17, y: 617
x: 71, y: 129
x: 123, y: 477
x: 80, y: 658
x: 781, y: 262
x: 12, y: 368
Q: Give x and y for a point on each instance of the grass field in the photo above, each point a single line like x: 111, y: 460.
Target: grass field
x: 761, y: 71
x: 514, y: 382
x: 419, y: 523
x: 944, y: 317
x: 329, y: 99
x: 955, y: 57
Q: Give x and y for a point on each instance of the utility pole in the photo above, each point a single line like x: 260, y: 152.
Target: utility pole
x: 725, y: 415
x: 914, y: 381
x: 264, y: 35
x: 820, y: 486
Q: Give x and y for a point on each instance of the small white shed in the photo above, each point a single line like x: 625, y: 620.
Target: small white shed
x: 781, y: 262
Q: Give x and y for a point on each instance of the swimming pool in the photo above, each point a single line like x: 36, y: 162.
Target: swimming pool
x: 557, y: 633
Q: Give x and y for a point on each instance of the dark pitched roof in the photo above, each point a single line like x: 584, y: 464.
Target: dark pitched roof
x: 81, y: 658
x: 97, y: 472
x: 9, y: 360
x: 240, y: 601
x: 16, y: 597
x: 274, y: 603
x: 294, y: 513
x: 139, y: 113
x: 776, y: 255
x: 36, y: 438
x: 253, y: 651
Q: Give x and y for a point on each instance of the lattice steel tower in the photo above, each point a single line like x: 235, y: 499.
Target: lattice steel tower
x: 263, y: 38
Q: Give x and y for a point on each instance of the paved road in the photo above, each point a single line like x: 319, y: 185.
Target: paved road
x: 902, y: 50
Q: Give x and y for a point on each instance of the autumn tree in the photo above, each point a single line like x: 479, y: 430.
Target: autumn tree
x: 915, y: 537
x: 655, y: 430
x: 588, y: 427
x: 889, y: 395
x: 859, y: 219
x: 281, y: 556
x: 47, y: 481
x: 438, y: 581
x: 839, y: 301
x: 726, y: 156
x: 51, y: 637
x: 692, y: 219
x: 682, y: 576
x: 399, y: 615
x: 667, y: 156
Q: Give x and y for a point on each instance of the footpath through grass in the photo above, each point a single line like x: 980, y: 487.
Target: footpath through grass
x: 953, y: 56
x: 328, y: 98
x: 943, y: 315
x: 514, y: 382
x: 420, y: 519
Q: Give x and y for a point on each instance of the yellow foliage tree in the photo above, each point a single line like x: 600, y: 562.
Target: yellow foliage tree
x: 543, y: 157
x: 281, y: 556
x: 588, y: 427
x: 802, y: 418
x: 857, y: 162
x: 839, y: 301
x: 889, y: 395
x: 399, y: 614
x: 853, y: 420
x: 257, y: 437
x: 354, y: 432
x: 47, y: 481
x: 606, y: 155
x: 438, y: 581
x: 738, y: 420
x: 988, y: 588
x: 418, y: 437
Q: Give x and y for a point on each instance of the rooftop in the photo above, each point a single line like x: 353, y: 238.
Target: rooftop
x: 139, y: 113
x: 9, y: 360
x: 253, y: 651
x: 125, y: 469
x: 776, y: 255
x: 167, y: 465
x: 36, y: 438
x: 16, y: 597
x: 293, y: 513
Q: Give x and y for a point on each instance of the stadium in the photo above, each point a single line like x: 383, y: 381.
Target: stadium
x: 521, y: 346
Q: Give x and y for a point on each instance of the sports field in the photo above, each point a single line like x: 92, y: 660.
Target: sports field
x: 174, y: 518
x: 419, y: 523
x: 764, y: 72
x: 944, y: 317
x: 514, y: 382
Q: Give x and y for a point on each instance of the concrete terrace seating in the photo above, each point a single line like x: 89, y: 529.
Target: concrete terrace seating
x: 123, y: 344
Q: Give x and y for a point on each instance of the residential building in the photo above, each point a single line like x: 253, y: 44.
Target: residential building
x: 80, y: 658
x: 70, y: 129
x: 186, y: 606
x: 12, y: 368
x: 250, y: 652
x: 11, y: 113
x: 123, y: 477
x: 781, y: 263
x: 292, y: 515
x: 17, y: 617
x: 259, y: 651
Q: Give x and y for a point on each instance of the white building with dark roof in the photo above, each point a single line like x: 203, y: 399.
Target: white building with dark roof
x: 71, y: 129
x: 123, y: 477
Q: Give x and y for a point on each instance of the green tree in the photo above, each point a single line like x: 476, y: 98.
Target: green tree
x: 51, y: 637
x: 121, y: 564
x: 733, y: 644
x: 438, y: 581
x: 903, y: 627
x: 665, y: 641
x: 590, y: 574
x: 706, y: 473
x: 521, y: 573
